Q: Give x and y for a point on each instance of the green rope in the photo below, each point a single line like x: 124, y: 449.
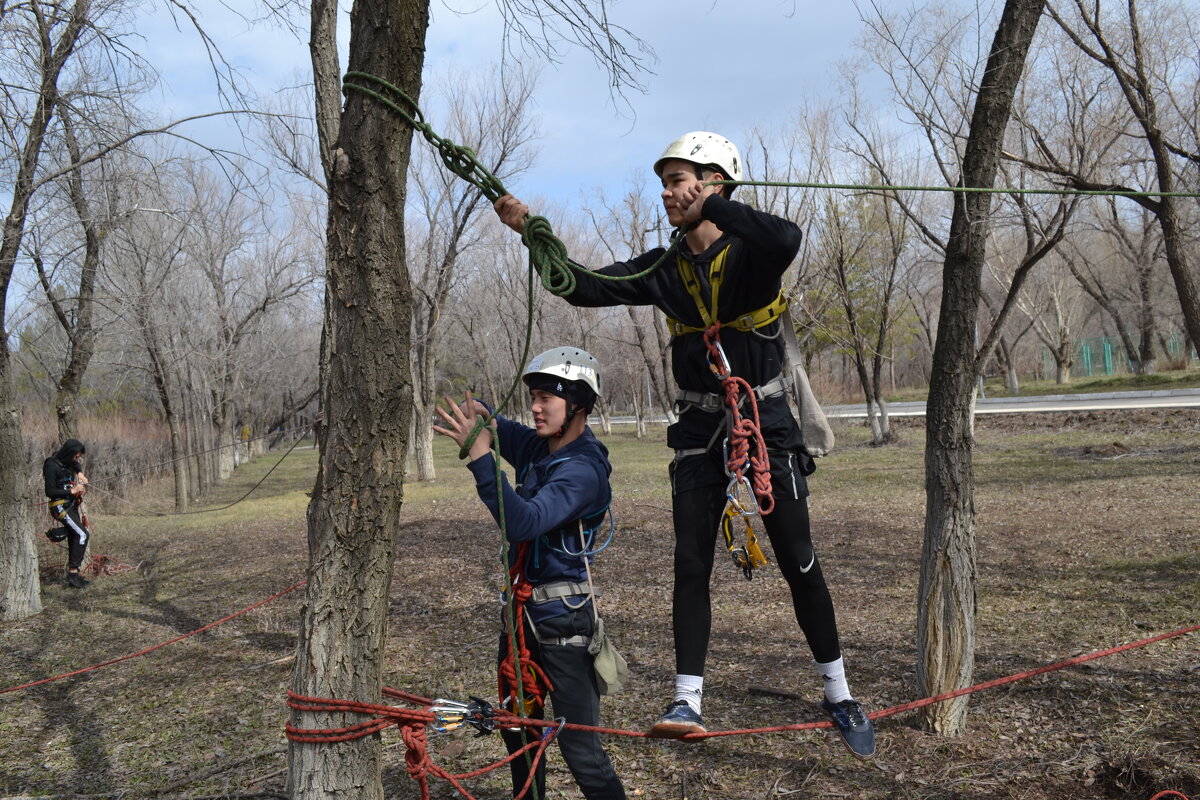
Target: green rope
x: 867, y: 187
x: 547, y: 253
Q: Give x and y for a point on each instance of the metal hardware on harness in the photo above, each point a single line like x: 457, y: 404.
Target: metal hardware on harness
x: 721, y: 368
x: 557, y: 590
x: 713, y: 402
x: 748, y: 557
x: 578, y: 640
x: 450, y: 715
x: 740, y: 495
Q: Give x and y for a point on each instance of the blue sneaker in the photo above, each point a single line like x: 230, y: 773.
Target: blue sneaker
x: 858, y: 734
x: 678, y: 720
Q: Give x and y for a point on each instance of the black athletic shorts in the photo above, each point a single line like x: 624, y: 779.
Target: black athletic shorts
x: 701, y: 470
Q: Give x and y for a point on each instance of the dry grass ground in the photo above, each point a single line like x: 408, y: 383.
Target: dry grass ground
x: 1088, y: 532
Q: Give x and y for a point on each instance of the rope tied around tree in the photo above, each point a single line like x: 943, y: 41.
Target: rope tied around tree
x: 412, y: 723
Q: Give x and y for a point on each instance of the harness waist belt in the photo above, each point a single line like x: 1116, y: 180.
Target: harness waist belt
x: 758, y: 318
x: 563, y: 641
x: 557, y: 590
x: 711, y: 402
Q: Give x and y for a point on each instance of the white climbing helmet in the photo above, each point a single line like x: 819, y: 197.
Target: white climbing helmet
x: 569, y: 363
x: 703, y: 148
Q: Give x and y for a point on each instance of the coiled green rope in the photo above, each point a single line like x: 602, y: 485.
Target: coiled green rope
x: 547, y: 253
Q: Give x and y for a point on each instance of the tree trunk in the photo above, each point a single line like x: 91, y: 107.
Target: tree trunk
x: 422, y: 442
x: 227, y: 444
x: 367, y: 399
x: 946, y: 600
x: 81, y: 335
x: 20, y: 595
x: 1146, y: 359
x: 179, y: 463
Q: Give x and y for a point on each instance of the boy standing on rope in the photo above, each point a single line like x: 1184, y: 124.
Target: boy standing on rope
x: 724, y: 281
x: 65, y: 486
x: 550, y: 519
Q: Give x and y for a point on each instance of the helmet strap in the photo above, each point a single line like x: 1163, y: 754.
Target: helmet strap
x: 571, y: 409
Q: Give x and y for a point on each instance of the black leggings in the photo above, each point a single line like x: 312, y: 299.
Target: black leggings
x: 697, y: 515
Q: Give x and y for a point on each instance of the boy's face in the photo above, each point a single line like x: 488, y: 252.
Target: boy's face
x: 677, y: 177
x: 549, y: 412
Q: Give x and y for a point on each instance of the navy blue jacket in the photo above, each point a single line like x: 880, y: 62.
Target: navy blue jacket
x: 553, y: 492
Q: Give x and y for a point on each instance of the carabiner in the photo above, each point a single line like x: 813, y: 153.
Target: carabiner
x: 745, y: 503
x: 721, y: 369
x: 450, y: 715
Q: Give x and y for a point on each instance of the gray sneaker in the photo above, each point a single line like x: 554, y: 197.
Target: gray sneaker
x: 858, y: 734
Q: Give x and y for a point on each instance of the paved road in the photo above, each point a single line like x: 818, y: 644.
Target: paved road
x: 1164, y: 398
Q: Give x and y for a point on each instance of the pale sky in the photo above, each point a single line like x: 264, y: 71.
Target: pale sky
x: 723, y: 65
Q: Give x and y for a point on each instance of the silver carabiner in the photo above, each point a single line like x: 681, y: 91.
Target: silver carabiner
x: 722, y: 369
x: 448, y: 715
x: 747, y: 507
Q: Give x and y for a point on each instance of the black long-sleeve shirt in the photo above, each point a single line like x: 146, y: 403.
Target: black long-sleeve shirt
x: 761, y: 247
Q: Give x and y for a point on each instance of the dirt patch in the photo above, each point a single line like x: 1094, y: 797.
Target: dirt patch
x: 1078, y: 549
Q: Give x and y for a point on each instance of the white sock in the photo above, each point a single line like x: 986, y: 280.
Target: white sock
x: 834, y: 676
x: 690, y: 689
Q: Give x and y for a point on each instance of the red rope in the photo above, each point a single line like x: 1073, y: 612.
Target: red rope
x: 743, y: 431
x: 412, y: 724
x: 157, y: 646
x: 533, y: 680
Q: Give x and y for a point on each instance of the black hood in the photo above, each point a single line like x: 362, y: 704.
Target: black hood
x: 66, y: 454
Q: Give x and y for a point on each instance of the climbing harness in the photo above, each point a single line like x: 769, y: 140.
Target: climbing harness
x: 753, y: 321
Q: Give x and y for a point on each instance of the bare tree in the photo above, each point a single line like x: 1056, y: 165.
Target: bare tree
x: 367, y: 390
x: 630, y: 224
x: 493, y: 120
x: 1151, y: 57
x: 49, y: 33
x: 946, y: 594
x: 1116, y: 266
x: 149, y: 247
x: 862, y: 251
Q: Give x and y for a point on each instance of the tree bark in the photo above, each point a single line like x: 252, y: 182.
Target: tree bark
x: 367, y: 398
x: 19, y: 596
x: 946, y: 593
x: 81, y: 335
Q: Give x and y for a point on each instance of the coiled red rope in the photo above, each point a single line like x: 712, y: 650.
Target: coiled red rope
x: 533, y: 681
x: 412, y: 724
x: 746, y: 445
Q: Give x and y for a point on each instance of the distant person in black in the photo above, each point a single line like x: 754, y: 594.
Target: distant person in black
x: 65, y: 486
